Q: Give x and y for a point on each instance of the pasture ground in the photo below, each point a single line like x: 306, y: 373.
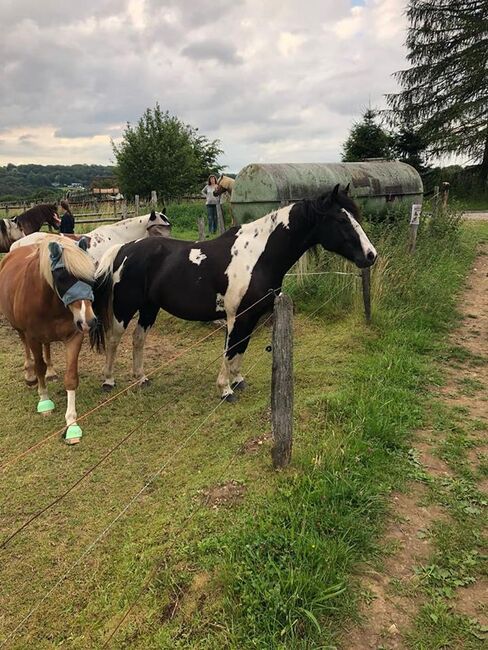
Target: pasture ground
x: 266, y: 559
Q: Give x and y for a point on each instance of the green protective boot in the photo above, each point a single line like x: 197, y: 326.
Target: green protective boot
x: 45, y: 406
x: 73, y: 434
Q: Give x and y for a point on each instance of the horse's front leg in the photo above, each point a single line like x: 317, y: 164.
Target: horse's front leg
x: 72, y: 346
x: 147, y: 316
x: 45, y: 405
x: 230, y: 377
x: 51, y: 374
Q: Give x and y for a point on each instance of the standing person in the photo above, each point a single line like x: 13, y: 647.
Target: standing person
x: 67, y: 226
x: 211, y: 202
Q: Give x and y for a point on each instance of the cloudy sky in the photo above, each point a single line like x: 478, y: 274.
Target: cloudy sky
x: 274, y: 80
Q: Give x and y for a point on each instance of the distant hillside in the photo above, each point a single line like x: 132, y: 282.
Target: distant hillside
x: 38, y: 181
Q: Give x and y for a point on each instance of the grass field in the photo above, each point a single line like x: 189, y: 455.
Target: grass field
x: 238, y: 556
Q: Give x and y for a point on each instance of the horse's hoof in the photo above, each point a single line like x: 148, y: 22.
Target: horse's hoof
x: 45, y: 406
x: 145, y: 383
x: 72, y: 435
x: 32, y: 383
x: 106, y: 388
x: 239, y: 385
x: 230, y: 398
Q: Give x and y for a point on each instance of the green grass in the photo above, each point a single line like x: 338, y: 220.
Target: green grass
x: 272, y: 570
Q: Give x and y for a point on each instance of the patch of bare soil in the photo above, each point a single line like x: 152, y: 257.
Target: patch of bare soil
x: 391, y: 598
x: 253, y: 445
x: 225, y: 494
x: 391, y: 595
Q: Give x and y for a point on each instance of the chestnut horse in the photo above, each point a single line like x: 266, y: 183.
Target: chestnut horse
x: 46, y: 295
x: 26, y: 223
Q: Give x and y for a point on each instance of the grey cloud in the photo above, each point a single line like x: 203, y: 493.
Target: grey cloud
x: 226, y: 54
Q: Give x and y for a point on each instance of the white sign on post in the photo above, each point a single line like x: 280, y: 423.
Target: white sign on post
x: 415, y: 216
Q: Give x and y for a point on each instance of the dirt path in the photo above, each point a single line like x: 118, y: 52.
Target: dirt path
x: 391, y: 593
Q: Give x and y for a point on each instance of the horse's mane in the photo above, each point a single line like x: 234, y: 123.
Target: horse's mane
x: 44, y: 209
x: 323, y: 202
x: 78, y: 263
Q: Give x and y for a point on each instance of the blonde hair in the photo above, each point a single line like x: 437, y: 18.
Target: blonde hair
x: 76, y: 261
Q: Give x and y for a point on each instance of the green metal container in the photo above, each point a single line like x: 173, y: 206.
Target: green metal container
x: 262, y: 188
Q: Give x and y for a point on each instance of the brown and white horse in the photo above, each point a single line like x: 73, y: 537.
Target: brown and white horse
x: 46, y: 295
x: 224, y: 187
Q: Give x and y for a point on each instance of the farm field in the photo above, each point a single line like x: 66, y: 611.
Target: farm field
x: 237, y: 555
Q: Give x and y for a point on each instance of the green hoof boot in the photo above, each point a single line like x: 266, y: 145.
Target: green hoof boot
x: 45, y: 406
x: 73, y: 434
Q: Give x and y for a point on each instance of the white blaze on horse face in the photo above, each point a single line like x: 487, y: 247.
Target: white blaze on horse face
x: 366, y: 245
x: 250, y: 242
x: 196, y: 256
x: 82, y: 313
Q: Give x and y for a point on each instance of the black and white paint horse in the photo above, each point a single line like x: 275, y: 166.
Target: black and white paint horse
x: 26, y: 223
x: 234, y: 276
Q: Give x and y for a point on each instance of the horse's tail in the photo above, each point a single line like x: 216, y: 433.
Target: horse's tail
x: 103, y: 298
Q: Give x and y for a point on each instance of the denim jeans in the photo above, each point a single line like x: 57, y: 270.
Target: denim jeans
x: 212, y: 218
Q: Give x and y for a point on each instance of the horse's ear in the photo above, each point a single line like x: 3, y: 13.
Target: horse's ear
x: 347, y: 188
x: 83, y: 243
x: 153, y: 215
x: 335, y: 191
x: 55, y: 252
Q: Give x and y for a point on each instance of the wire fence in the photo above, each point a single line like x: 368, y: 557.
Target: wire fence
x: 155, y: 475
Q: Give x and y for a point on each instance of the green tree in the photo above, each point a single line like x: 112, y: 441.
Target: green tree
x: 367, y: 139
x: 409, y: 147
x: 162, y: 153
x: 445, y: 91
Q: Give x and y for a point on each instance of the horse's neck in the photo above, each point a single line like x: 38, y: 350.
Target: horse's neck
x: 127, y: 230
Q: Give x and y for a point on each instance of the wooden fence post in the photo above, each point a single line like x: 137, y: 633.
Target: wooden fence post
x: 220, y: 220
x: 115, y: 210
x: 6, y: 212
x: 154, y: 199
x: 282, y: 381
x: 136, y: 205
x: 124, y: 209
x: 414, y: 226
x: 366, y: 283
x: 444, y: 196
x: 201, y: 228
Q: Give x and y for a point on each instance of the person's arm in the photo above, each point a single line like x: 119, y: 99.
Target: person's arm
x: 204, y: 191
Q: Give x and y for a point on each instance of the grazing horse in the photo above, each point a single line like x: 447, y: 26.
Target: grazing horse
x: 26, y: 223
x: 46, y: 295
x: 121, y: 232
x: 234, y: 276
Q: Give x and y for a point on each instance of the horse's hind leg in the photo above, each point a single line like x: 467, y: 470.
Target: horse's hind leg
x: 112, y: 341
x: 29, y: 366
x: 71, y: 380
x: 45, y: 405
x: 147, y: 316
x: 51, y: 374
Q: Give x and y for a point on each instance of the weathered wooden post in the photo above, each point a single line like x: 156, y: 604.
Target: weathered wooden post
x: 220, y: 220
x: 201, y: 228
x: 154, y: 199
x: 115, y: 209
x: 444, y: 196
x: 414, y: 226
x: 124, y: 209
x: 282, y: 381
x: 136, y: 205
x: 6, y: 211
x: 366, y: 284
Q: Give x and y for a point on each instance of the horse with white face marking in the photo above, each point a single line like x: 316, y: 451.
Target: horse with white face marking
x: 121, y: 232
x: 233, y: 276
x: 46, y: 295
